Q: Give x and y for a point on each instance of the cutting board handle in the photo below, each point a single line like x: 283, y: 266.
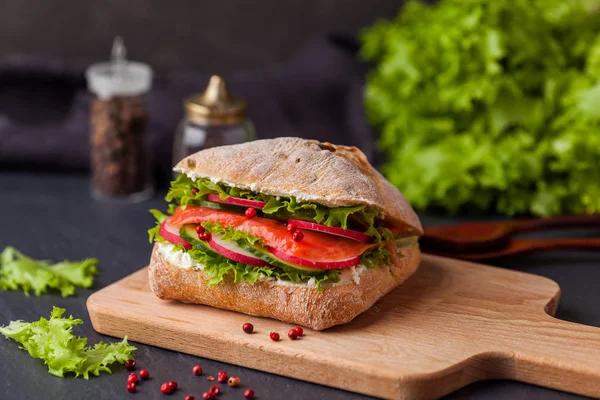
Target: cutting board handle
x: 557, y: 354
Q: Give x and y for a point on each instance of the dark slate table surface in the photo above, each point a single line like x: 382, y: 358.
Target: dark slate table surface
x: 53, y: 217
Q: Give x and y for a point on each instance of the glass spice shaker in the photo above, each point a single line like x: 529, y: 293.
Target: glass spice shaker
x: 119, y: 119
x: 212, y: 118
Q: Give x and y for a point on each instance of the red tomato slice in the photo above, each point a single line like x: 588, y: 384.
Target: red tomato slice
x: 315, y: 246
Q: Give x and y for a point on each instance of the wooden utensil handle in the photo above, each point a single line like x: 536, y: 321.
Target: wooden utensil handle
x: 530, y: 245
x: 573, y: 221
x: 557, y: 354
x: 521, y: 246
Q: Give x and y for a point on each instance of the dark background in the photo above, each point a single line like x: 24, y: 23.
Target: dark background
x: 276, y: 54
x: 181, y: 35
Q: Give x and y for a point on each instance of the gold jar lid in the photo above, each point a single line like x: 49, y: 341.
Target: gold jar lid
x: 215, y: 106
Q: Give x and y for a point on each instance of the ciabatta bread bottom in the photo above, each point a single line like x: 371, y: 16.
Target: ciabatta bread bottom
x: 297, y: 304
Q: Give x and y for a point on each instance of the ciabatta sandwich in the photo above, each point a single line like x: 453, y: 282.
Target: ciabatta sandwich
x: 293, y: 229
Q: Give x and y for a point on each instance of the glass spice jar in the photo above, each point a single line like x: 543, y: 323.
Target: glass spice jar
x: 212, y: 118
x: 118, y: 123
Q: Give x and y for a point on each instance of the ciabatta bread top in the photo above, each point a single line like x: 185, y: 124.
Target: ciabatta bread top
x: 323, y: 173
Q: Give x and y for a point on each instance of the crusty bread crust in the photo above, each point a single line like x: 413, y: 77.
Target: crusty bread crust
x: 296, y: 304
x: 307, y: 169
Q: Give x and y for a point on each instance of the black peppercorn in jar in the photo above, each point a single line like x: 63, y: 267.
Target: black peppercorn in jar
x: 118, y: 125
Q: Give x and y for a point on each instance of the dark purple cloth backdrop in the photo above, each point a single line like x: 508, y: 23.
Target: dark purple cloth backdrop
x: 44, y: 106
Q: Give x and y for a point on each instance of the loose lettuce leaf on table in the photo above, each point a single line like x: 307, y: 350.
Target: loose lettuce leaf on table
x: 53, y: 341
x: 18, y: 271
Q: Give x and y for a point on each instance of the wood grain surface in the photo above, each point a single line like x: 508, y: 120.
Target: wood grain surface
x: 451, y: 324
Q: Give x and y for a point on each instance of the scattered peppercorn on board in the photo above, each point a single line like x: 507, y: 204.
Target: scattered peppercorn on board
x: 451, y: 324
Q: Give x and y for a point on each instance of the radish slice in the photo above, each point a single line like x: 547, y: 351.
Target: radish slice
x: 350, y: 262
x: 231, y: 250
x: 171, y: 233
x: 347, y: 233
x: 237, y: 201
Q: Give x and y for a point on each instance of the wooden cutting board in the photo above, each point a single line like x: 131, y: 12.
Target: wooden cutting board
x: 451, y: 324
